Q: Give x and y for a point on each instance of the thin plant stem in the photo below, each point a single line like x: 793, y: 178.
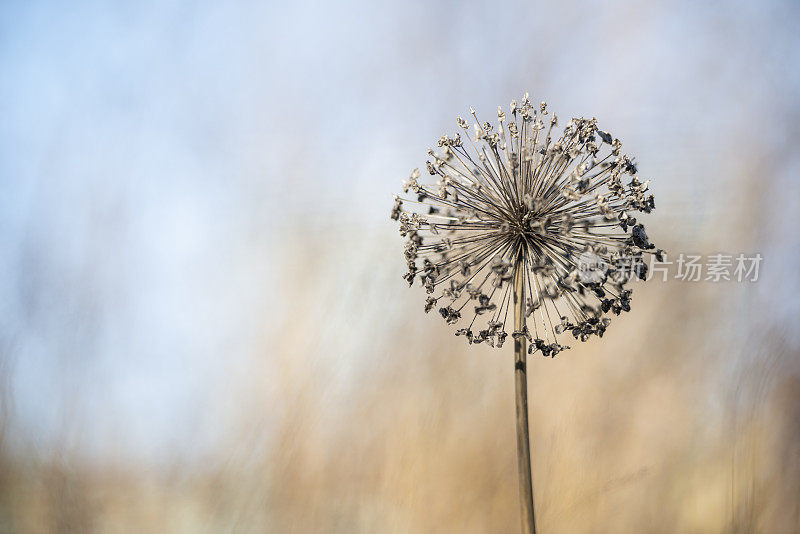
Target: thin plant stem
x: 521, y: 382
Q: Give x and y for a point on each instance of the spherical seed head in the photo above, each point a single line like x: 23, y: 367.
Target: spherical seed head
x: 519, y: 199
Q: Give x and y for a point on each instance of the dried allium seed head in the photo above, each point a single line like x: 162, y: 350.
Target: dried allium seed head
x: 515, y: 197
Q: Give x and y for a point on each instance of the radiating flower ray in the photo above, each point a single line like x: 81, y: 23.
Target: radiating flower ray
x: 519, y: 195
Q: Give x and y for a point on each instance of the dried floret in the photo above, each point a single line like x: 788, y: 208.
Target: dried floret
x: 520, y: 197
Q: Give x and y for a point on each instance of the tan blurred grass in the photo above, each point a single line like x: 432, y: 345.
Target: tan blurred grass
x: 367, y: 417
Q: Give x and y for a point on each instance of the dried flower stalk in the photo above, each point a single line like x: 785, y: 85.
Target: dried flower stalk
x: 518, y: 215
x: 521, y: 397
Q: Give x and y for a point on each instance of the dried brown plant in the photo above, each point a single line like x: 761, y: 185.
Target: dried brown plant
x: 522, y: 217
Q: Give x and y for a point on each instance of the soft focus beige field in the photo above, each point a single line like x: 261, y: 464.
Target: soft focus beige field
x: 371, y: 418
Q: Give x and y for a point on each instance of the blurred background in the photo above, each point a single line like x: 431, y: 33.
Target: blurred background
x: 203, y: 325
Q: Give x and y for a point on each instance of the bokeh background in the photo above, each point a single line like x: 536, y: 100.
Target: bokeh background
x: 203, y: 325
